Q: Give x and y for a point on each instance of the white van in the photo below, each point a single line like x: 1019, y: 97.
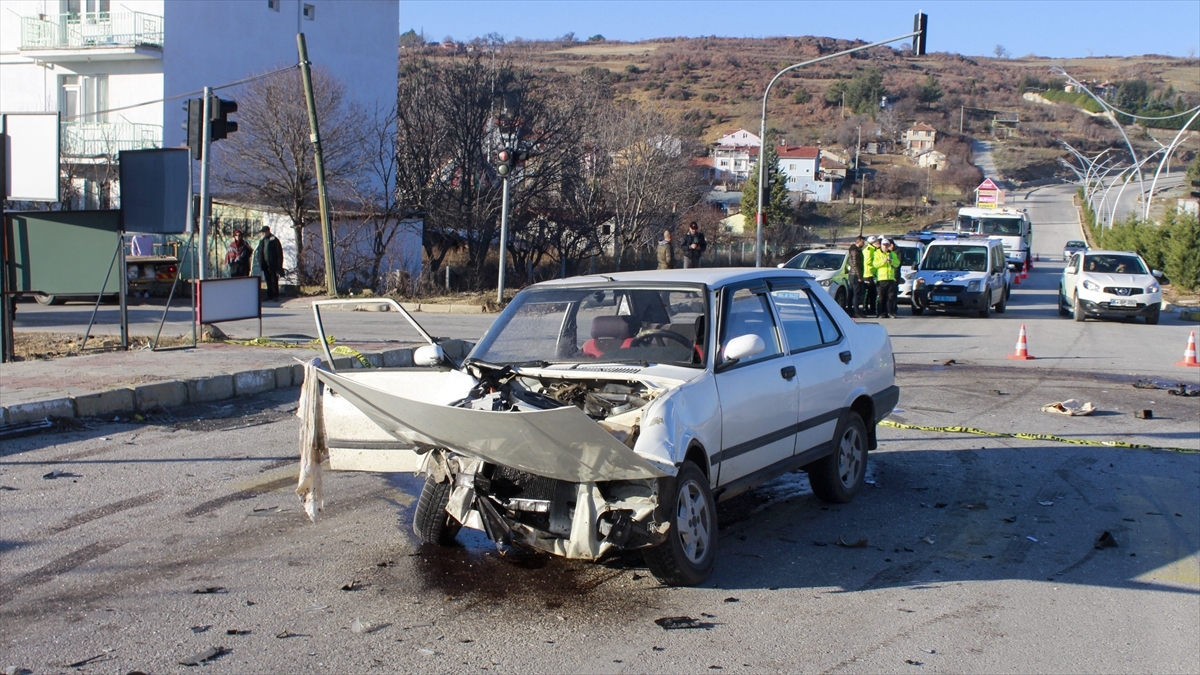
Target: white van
x: 962, y: 274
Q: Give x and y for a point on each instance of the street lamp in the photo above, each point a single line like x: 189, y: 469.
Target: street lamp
x: 920, y: 32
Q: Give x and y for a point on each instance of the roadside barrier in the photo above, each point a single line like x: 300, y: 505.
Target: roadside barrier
x: 1189, y: 353
x: 1022, y: 353
x: 1038, y: 437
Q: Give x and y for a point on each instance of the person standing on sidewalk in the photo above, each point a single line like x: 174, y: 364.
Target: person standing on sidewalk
x: 868, y: 276
x: 885, y: 279
x: 854, y: 286
x: 693, y: 246
x: 666, y: 252
x: 238, y: 256
x: 269, y: 257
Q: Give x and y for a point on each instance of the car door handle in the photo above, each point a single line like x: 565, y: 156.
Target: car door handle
x: 845, y: 356
x: 788, y: 372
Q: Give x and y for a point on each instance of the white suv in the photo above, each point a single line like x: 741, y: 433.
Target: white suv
x: 1109, y: 283
x: 962, y: 274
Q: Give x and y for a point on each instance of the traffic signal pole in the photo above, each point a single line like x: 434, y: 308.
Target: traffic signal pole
x: 205, y: 204
x: 503, y: 242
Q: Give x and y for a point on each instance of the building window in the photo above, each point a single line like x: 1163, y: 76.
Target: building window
x: 310, y: 12
x: 83, y: 98
x: 274, y: 4
x: 89, y: 9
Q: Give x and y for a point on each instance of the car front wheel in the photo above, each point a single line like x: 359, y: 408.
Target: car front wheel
x: 686, y: 558
x: 1062, y: 304
x: 1080, y: 315
x: 430, y: 520
x: 1152, y: 317
x: 839, y: 476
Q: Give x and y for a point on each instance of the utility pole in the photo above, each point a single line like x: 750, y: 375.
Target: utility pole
x: 862, y: 196
x: 205, y: 203
x: 961, y: 113
x: 318, y: 160
x: 503, y: 241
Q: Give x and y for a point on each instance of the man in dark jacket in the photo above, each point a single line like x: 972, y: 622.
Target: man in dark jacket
x: 854, y: 286
x: 269, y: 257
x: 693, y: 246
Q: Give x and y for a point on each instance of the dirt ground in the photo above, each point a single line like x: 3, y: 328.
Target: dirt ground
x: 45, y: 346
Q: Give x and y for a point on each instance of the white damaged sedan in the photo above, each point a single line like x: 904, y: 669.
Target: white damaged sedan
x: 611, y: 412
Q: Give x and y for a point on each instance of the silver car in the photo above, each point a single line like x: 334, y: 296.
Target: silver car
x: 611, y: 412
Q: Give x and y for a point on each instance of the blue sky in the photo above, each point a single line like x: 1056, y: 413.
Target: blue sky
x: 1055, y: 28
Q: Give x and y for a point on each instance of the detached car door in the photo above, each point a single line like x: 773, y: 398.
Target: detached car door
x: 758, y: 393
x: 821, y: 356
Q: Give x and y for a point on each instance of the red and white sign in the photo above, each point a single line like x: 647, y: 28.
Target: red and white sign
x: 988, y: 195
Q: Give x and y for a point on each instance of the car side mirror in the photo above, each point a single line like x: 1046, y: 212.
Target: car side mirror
x: 429, y: 355
x: 1156, y: 273
x: 742, y: 347
x: 1012, y: 267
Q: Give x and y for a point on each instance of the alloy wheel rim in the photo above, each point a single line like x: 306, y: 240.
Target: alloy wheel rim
x: 693, y: 522
x: 849, y: 457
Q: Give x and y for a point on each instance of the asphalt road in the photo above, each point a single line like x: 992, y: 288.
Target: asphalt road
x: 979, y: 555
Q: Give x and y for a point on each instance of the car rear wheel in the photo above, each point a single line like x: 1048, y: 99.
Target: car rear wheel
x: 686, y: 558
x: 839, y: 476
x: 430, y: 520
x: 1152, y: 317
x: 1080, y: 315
x: 43, y: 299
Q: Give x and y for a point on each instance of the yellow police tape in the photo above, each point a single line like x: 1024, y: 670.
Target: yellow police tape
x: 340, y: 350
x: 1037, y: 437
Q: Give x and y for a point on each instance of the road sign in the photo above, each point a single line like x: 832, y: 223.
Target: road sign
x: 989, y: 195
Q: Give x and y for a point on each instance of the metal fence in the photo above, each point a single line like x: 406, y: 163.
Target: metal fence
x: 101, y: 29
x: 99, y: 139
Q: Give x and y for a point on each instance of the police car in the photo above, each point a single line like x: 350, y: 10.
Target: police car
x: 960, y: 273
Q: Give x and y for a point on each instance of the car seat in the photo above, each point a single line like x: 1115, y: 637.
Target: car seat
x: 609, y: 333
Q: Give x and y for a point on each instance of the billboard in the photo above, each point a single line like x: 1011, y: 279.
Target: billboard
x: 31, y: 156
x: 155, y: 188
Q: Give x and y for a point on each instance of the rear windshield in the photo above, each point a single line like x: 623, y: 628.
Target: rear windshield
x: 1075, y: 244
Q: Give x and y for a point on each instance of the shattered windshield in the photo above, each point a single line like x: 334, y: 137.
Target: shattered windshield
x: 590, y: 324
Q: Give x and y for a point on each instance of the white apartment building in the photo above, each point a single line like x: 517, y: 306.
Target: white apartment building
x: 106, y: 65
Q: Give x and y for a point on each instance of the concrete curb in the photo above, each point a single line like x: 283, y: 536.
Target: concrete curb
x: 144, y: 398
x: 428, y: 308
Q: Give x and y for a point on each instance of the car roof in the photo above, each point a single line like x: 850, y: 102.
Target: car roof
x: 709, y: 276
x: 1091, y: 252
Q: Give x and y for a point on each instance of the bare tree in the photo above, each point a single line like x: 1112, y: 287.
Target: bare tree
x: 270, y: 159
x: 1001, y: 52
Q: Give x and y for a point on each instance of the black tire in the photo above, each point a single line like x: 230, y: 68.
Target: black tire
x: 1080, y: 315
x: 839, y: 476
x: 987, y: 309
x: 686, y: 558
x: 1152, y: 318
x: 43, y: 299
x: 430, y: 520
x: 1003, y: 304
x: 840, y: 298
x: 917, y: 309
x: 1062, y: 304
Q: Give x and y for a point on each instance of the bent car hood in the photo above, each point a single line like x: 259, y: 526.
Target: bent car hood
x: 562, y: 443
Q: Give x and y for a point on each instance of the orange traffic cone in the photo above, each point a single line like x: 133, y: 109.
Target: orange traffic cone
x: 1189, y: 354
x: 1022, y: 353
x: 1017, y: 279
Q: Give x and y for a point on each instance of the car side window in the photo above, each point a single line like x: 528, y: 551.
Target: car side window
x: 830, y: 333
x: 748, y: 312
x: 798, y: 318
x: 1073, y: 266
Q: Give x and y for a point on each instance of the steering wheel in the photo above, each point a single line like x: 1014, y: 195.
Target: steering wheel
x: 650, y: 335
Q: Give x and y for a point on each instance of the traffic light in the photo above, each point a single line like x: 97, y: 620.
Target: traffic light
x: 195, y: 132
x: 505, y: 159
x: 921, y: 28
x: 219, y: 111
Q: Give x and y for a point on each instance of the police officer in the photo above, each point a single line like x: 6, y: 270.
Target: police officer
x: 868, y: 277
x: 885, y: 279
x: 854, y: 285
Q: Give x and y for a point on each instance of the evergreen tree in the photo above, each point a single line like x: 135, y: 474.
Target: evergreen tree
x: 1183, y: 253
x: 777, y: 206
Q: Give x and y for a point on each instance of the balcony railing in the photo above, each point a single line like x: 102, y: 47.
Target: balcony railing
x: 81, y: 31
x: 102, y: 139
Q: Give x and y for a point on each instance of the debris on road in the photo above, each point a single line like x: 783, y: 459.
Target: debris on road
x: 60, y: 474
x: 209, y: 590
x: 1177, y: 389
x: 204, y: 656
x: 1033, y: 539
x: 358, y: 626
x: 1106, y: 540
x: 352, y: 586
x: 1070, y: 407
x: 928, y: 539
x: 732, y: 600
x: 913, y: 663
x: 235, y: 631
x: 681, y: 622
x: 1146, y: 414
x: 200, y: 629
x: 861, y: 543
x: 1046, y: 503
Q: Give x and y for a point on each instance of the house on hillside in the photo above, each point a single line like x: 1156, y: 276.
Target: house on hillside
x: 931, y: 159
x: 801, y: 167
x: 919, y: 138
x: 733, y: 162
x: 740, y: 137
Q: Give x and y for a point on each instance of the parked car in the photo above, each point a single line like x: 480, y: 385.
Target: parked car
x: 963, y: 274
x: 1072, y: 247
x: 829, y: 266
x: 611, y: 412
x: 1109, y: 284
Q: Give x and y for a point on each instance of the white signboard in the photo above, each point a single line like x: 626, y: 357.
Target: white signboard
x: 228, y: 299
x: 32, y: 160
